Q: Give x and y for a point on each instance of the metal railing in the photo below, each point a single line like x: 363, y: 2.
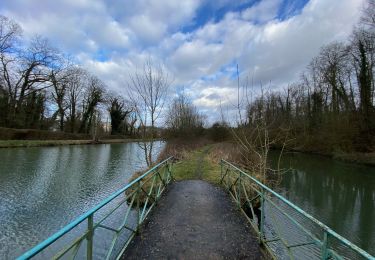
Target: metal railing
x: 129, y: 205
x: 283, y: 228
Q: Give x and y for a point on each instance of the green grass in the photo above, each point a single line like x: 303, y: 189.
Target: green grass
x: 187, y: 169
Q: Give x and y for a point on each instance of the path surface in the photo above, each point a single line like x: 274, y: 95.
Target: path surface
x: 194, y: 220
x: 199, y: 162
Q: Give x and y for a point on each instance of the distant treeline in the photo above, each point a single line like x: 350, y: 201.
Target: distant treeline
x: 41, y: 88
x: 331, y: 108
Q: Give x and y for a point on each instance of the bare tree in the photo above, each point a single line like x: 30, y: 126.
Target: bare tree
x: 94, y: 94
x: 10, y: 31
x: 33, y: 73
x: 59, y: 78
x: 76, y: 83
x: 255, y: 138
x: 368, y: 17
x: 363, y: 56
x: 183, y: 118
x: 25, y: 74
x: 147, y: 90
x: 132, y: 121
x: 333, y: 66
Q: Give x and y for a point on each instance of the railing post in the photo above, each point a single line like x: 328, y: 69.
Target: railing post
x: 221, y: 171
x: 170, y: 177
x: 239, y: 191
x: 228, y: 179
x: 138, y: 204
x: 325, y: 246
x: 90, y: 236
x: 261, y: 231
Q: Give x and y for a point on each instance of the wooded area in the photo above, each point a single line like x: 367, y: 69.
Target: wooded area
x: 41, y: 88
x: 331, y: 108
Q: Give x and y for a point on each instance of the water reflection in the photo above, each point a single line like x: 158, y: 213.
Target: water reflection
x: 341, y: 195
x: 43, y: 189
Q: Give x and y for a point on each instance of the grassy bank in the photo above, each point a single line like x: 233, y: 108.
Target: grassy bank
x: 193, y: 161
x: 198, y: 159
x: 361, y: 158
x: 197, y: 165
x: 34, y: 134
x: 36, y: 143
x: 351, y: 157
x: 10, y: 137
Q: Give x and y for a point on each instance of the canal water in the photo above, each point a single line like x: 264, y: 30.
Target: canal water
x: 339, y: 194
x: 44, y: 188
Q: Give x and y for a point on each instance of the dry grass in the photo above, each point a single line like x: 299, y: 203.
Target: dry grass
x: 145, y: 184
x: 227, y: 151
x: 181, y: 149
x: 231, y: 152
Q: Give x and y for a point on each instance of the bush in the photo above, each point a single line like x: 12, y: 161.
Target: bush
x: 33, y: 134
x: 219, y: 132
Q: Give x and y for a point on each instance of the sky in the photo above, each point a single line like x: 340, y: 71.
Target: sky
x: 200, y: 42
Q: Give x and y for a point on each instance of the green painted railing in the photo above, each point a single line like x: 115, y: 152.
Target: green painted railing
x: 283, y: 228
x: 130, y: 204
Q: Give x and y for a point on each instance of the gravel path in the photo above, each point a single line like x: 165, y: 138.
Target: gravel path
x: 194, y: 220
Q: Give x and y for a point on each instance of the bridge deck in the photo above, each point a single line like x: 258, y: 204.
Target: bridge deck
x: 195, y: 220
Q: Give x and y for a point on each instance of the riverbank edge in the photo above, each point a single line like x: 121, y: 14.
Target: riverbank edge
x: 354, y: 157
x: 38, y: 143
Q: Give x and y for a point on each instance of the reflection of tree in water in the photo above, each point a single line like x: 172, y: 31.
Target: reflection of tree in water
x: 367, y: 216
x: 339, y: 194
x: 147, y: 90
x: 148, y: 148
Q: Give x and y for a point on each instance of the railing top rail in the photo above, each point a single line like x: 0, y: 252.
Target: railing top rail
x: 35, y: 250
x: 301, y: 211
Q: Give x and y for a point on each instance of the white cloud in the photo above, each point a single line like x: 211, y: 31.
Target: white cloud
x: 262, y: 11
x: 203, y: 60
x: 195, y: 59
x: 286, y: 47
x: 147, y: 30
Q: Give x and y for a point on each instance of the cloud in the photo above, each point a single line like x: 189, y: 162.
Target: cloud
x: 151, y: 21
x: 286, y: 47
x: 195, y: 59
x: 263, y: 11
x: 270, y: 40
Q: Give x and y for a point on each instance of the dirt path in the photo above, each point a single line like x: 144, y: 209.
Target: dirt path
x: 195, y: 220
x: 198, y: 169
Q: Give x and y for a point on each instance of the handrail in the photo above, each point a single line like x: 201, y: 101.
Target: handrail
x: 325, y: 228
x: 89, y: 214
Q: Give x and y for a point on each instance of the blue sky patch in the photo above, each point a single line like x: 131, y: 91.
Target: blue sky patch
x: 102, y: 55
x: 291, y: 8
x: 211, y: 12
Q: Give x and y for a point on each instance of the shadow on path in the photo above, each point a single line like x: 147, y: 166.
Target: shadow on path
x: 194, y: 220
